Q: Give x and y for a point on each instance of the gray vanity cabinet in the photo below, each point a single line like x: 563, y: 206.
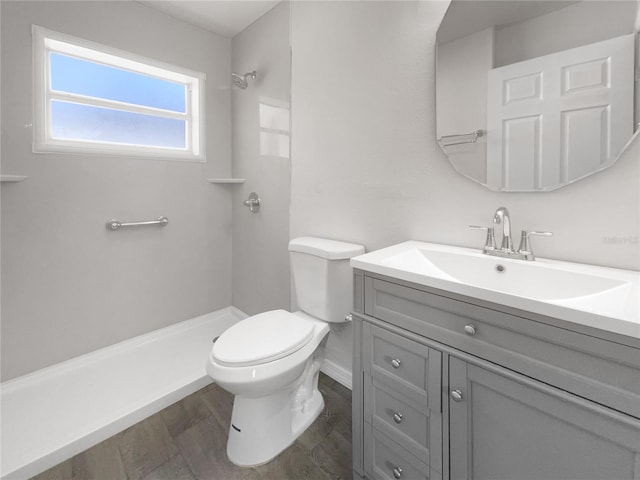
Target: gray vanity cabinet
x: 449, y: 387
x: 506, y: 426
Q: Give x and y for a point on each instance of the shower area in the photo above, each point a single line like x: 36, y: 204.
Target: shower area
x: 116, y: 271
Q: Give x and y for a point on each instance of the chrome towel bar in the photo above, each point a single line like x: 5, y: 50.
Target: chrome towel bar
x: 476, y: 134
x: 115, y: 225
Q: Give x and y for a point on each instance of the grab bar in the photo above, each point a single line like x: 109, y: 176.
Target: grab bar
x: 476, y: 134
x: 115, y: 225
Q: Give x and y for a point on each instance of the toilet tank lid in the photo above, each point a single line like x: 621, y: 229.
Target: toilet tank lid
x: 325, y: 248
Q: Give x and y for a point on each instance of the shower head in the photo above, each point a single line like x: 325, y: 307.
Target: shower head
x: 240, y: 81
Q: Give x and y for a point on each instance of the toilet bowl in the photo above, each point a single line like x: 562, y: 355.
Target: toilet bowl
x: 276, y: 396
x: 271, y: 361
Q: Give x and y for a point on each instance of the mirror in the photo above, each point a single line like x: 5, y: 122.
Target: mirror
x: 534, y: 95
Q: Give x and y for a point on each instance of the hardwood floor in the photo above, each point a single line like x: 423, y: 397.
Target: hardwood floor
x: 187, y: 441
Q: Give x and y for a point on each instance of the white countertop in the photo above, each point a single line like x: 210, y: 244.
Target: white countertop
x: 599, y: 297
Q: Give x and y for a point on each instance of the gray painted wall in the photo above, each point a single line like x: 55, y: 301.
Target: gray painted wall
x: 366, y: 167
x: 260, y: 255
x: 560, y: 30
x: 68, y: 285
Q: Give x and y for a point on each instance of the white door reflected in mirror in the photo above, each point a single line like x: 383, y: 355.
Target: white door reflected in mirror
x: 552, y: 96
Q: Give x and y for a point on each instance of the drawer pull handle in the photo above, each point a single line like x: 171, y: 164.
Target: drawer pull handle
x: 397, y: 417
x: 397, y: 473
x: 396, y: 363
x: 456, y: 395
x: 470, y: 330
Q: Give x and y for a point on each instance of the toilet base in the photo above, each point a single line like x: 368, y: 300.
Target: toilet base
x: 261, y: 428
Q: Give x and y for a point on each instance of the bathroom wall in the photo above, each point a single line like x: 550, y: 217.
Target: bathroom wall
x: 559, y: 30
x: 68, y: 285
x: 261, y: 155
x: 461, y: 100
x: 366, y: 166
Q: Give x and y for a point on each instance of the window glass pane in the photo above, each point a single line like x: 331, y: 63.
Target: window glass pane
x: 73, y: 75
x: 83, y: 122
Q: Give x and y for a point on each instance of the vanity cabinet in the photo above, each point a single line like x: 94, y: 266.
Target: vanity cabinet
x: 402, y: 406
x: 508, y: 426
x: 451, y: 387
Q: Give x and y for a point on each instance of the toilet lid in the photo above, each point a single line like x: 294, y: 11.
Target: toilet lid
x: 262, y: 338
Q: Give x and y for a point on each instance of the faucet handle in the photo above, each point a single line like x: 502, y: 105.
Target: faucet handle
x: 525, y: 243
x: 490, y: 242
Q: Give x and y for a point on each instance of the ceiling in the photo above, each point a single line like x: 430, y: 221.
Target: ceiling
x: 224, y: 17
x: 466, y: 17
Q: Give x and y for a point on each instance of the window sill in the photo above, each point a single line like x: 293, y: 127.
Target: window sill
x: 141, y: 153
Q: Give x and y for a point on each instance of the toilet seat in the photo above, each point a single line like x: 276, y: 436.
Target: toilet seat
x: 262, y: 338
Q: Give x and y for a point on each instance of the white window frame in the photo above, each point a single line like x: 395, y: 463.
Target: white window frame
x: 47, y: 41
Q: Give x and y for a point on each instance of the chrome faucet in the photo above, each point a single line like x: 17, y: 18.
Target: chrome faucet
x: 502, y: 217
x: 524, y: 252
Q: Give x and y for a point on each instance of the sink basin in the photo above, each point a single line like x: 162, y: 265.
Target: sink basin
x: 540, y: 280
x: 597, y: 296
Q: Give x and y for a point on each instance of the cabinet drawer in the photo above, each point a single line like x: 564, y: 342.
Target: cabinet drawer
x: 399, y: 417
x: 414, y: 390
x: 410, y: 364
x: 386, y: 460
x: 601, y: 370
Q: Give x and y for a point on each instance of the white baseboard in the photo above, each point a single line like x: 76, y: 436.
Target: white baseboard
x: 236, y: 312
x: 338, y: 373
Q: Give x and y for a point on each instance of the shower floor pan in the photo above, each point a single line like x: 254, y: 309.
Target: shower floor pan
x: 54, y: 413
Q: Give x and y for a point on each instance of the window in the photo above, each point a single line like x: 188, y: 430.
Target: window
x: 90, y: 98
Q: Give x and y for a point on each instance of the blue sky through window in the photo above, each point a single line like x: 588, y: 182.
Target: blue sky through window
x: 74, y: 75
x: 84, y: 122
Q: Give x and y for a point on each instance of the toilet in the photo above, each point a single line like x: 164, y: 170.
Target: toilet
x: 271, y: 361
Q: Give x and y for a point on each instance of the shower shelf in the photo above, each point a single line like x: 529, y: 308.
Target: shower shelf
x: 12, y: 178
x: 225, y: 180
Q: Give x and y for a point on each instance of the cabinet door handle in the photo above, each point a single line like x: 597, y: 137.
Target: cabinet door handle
x: 396, y: 363
x: 397, y: 417
x: 456, y: 395
x: 470, y: 330
x: 397, y: 473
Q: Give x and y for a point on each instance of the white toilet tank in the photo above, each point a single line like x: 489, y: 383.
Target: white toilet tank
x: 322, y: 276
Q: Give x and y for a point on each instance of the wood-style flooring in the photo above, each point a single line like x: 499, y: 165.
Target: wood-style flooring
x: 187, y: 441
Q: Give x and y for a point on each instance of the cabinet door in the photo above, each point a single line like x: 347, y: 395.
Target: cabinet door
x: 507, y: 426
